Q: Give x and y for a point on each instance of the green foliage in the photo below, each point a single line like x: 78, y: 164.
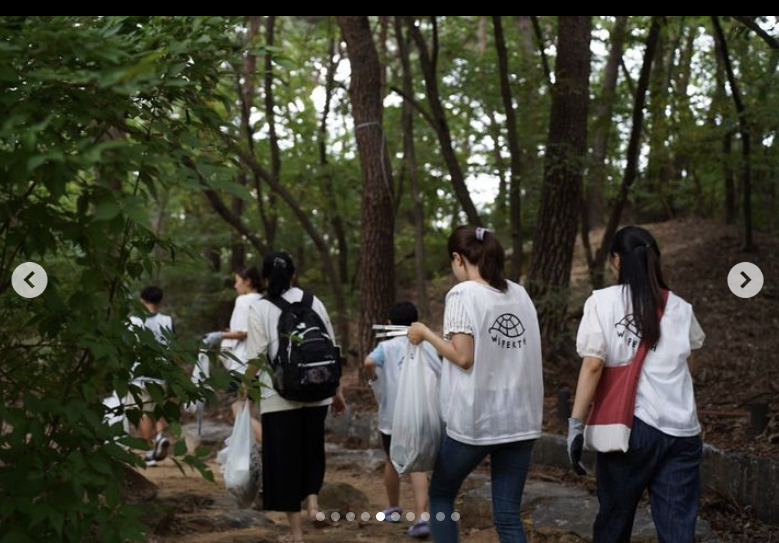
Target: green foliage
x: 97, y: 114
x: 112, y: 127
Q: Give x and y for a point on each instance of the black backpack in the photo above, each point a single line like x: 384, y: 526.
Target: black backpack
x: 307, y: 367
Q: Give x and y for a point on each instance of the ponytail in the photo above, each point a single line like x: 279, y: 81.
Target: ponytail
x: 481, y: 248
x: 277, y: 270
x: 641, y: 274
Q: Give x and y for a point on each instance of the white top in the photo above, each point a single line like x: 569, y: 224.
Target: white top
x: 389, y: 356
x: 161, y: 326
x: 263, y: 341
x: 500, y: 399
x: 665, y: 398
x: 239, y: 322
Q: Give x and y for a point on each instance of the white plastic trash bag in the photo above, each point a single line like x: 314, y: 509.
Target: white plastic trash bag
x: 416, y: 425
x: 200, y: 372
x: 240, y: 460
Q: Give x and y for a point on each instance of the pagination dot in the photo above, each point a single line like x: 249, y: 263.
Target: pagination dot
x: 320, y: 516
x: 380, y: 516
x: 410, y: 516
x: 456, y: 516
x: 424, y: 516
x: 440, y: 516
x: 350, y: 516
x: 335, y: 517
x: 365, y: 516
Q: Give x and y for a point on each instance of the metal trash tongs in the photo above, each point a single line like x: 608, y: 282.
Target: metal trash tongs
x: 390, y: 330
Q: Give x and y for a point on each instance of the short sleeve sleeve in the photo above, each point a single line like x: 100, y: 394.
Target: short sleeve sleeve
x: 456, y: 319
x: 239, y: 322
x: 591, y: 341
x: 257, y: 340
x: 697, y: 336
x: 377, y: 355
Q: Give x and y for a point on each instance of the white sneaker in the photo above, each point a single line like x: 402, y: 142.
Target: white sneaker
x: 149, y: 459
x: 161, y: 446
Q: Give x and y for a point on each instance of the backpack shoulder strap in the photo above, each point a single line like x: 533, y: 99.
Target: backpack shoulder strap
x: 278, y: 301
x: 308, y: 299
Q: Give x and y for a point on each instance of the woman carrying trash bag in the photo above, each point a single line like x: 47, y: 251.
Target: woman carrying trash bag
x: 232, y: 343
x: 639, y: 322
x: 293, y: 448
x: 492, y: 387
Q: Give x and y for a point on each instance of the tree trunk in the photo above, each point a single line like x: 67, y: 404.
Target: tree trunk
x: 529, y: 108
x: 272, y: 218
x: 541, y: 48
x: 515, y: 206
x: 550, y: 264
x: 592, y: 205
x: 409, y: 155
x: 744, y: 129
x: 717, y: 109
x: 596, y: 178
x: 501, y: 200
x: 730, y: 179
x: 631, y: 168
x: 429, y: 61
x: 658, y: 172
x: 332, y: 203
x: 377, y: 270
x: 238, y: 258
x: 247, y: 87
x: 683, y: 115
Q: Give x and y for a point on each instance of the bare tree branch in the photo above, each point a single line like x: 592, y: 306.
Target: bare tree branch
x: 752, y: 25
x: 224, y: 212
x: 410, y: 99
x: 542, y: 48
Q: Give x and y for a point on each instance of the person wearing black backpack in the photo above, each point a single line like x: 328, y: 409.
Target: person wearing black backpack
x: 292, y: 344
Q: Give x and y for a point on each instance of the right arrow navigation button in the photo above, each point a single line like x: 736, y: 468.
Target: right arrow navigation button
x: 745, y: 280
x: 748, y: 279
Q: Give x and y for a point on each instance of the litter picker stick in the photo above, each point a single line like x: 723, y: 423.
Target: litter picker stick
x: 389, y: 330
x: 392, y: 333
x: 390, y: 327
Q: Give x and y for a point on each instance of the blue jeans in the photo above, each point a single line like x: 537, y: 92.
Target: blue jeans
x: 669, y: 467
x: 509, y: 464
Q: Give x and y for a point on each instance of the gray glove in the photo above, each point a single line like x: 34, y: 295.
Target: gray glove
x: 212, y: 339
x: 575, y: 444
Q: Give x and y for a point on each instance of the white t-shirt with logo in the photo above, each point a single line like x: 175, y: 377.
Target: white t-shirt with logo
x: 389, y: 356
x: 500, y: 398
x: 664, y: 398
x: 239, y: 322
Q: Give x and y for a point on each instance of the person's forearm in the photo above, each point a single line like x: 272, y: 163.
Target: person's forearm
x: 589, y: 376
x: 456, y: 352
x: 240, y: 336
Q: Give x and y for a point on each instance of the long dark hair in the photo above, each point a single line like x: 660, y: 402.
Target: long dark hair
x: 278, y: 269
x: 252, y: 274
x: 640, y: 271
x: 481, y: 248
